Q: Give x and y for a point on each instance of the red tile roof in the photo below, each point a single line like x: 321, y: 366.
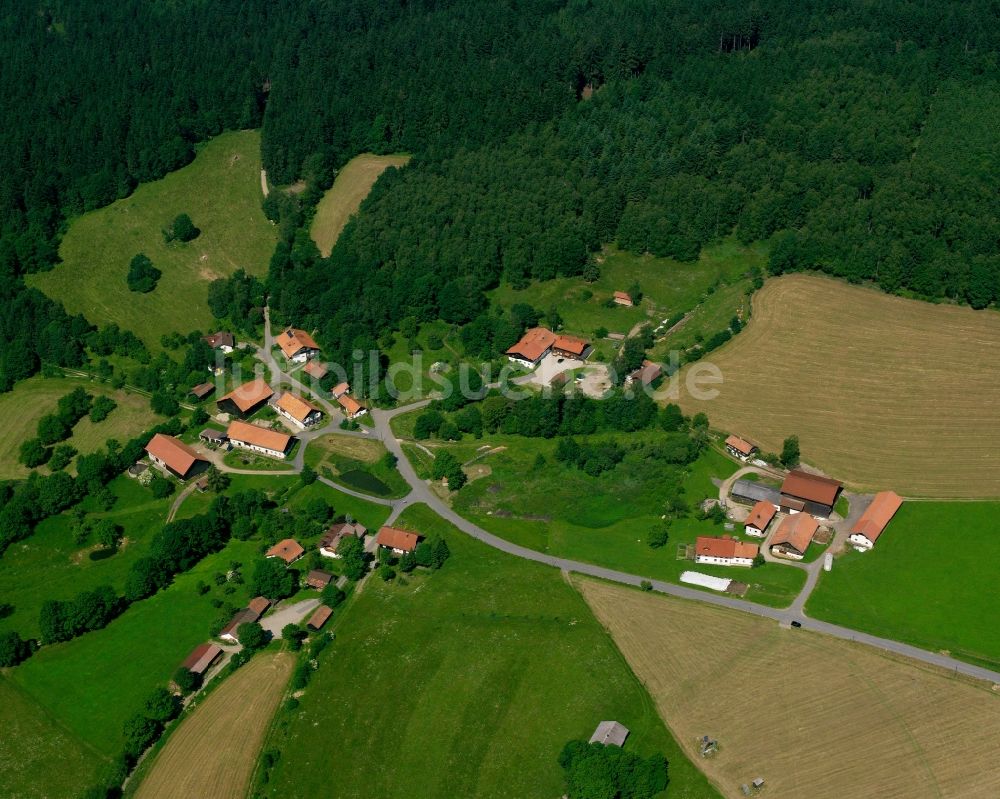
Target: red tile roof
x: 288, y: 550
x: 570, y: 344
x: 317, y: 578
x: 293, y: 340
x: 796, y: 531
x: 761, y: 514
x: 177, y: 455
x: 740, y: 445
x: 259, y: 605
x: 877, y: 515
x: 350, y: 405
x: 202, y: 390
x: 533, y: 344
x: 811, y: 487
x: 724, y: 547
x: 315, y: 369
x: 249, y: 394
x: 295, y: 406
x: 340, y: 388
x: 258, y: 436
x: 397, y: 539
x: 623, y: 298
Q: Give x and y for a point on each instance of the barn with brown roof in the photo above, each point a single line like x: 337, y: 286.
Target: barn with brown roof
x: 244, y: 400
x: 320, y: 617
x: 793, y: 536
x: 623, y: 298
x: 817, y: 494
x: 318, y: 579
x: 399, y: 541
x: 873, y: 521
x: 201, y: 658
x: 534, y: 345
x: 259, y: 439
x: 202, y: 390
x: 174, y: 455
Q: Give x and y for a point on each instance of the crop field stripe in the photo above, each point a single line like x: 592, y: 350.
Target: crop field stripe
x: 802, y: 710
x: 883, y: 392
x: 214, y: 751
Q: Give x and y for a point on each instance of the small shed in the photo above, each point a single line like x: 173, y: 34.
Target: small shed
x: 610, y: 733
x: 202, y: 390
x: 318, y: 579
x: 320, y: 617
x: 212, y: 436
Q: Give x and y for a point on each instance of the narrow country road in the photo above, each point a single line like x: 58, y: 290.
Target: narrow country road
x: 421, y: 493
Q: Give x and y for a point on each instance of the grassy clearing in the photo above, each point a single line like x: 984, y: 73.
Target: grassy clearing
x: 215, y: 748
x: 369, y: 514
x: 889, y: 392
x: 34, y: 398
x: 606, y: 520
x: 220, y: 190
x: 473, y: 678
x: 930, y: 581
x: 356, y: 463
x: 92, y: 684
x: 801, y: 709
x: 245, y: 459
x: 349, y: 190
x: 410, y: 360
x: 669, y: 287
x: 32, y: 744
x: 50, y: 565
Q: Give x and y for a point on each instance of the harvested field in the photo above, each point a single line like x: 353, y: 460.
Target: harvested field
x: 814, y: 716
x: 344, y: 198
x: 883, y: 392
x: 214, y: 751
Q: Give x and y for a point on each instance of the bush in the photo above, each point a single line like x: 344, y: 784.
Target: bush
x: 62, y: 456
x: 252, y: 636
x: 140, y: 733
x: 162, y: 706
x: 646, y: 585
x: 103, y: 405
x: 181, y: 229
x: 386, y: 572
x: 164, y: 404
x: 659, y: 535
x: 161, y: 487
x: 33, y: 453
x: 14, y: 649
x: 294, y: 635
x: 142, y: 275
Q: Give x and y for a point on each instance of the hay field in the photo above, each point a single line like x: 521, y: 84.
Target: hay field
x: 220, y: 190
x: 345, y: 196
x: 883, y: 392
x: 31, y: 399
x: 814, y: 716
x: 214, y: 751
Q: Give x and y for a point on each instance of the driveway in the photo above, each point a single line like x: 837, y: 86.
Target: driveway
x: 276, y: 620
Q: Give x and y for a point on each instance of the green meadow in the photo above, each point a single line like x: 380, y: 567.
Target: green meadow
x: 928, y: 581
x: 464, y: 682
x: 220, y: 191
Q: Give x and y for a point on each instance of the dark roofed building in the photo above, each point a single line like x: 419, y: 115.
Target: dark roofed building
x: 750, y: 491
x: 202, y: 657
x: 202, y: 390
x: 818, y: 494
x: 212, y: 436
x: 318, y: 579
x: 319, y: 617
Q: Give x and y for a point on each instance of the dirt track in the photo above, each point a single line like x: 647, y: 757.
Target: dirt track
x: 214, y: 751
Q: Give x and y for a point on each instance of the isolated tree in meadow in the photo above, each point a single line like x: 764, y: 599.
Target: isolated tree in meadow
x: 181, y: 229
x: 790, y: 452
x: 103, y: 405
x: 659, y: 535
x: 142, y: 275
x: 108, y: 534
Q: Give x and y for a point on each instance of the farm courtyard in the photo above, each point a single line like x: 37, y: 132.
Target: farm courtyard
x: 883, y: 392
x: 814, y: 716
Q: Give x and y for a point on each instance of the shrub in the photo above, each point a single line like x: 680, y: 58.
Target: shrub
x: 33, y: 453
x: 103, y: 405
x: 14, y: 649
x: 142, y: 275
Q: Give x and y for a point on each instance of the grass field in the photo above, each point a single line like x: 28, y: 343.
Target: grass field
x: 220, y: 190
x: 33, y: 398
x: 345, y: 196
x: 356, y: 463
x: 39, y: 759
x: 888, y: 392
x: 669, y: 287
x: 815, y: 716
x: 929, y: 581
x: 50, y: 565
x: 215, y: 748
x: 463, y: 682
x: 91, y: 684
x: 603, y: 520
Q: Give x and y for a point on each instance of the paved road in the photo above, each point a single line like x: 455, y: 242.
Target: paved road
x: 421, y: 492
x: 290, y: 614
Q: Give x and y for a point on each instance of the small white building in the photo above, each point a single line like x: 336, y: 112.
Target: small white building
x: 724, y: 551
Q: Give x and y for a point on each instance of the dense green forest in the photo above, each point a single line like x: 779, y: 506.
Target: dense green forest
x: 861, y: 136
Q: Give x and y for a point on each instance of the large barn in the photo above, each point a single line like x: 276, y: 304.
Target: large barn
x: 816, y: 494
x: 873, y: 521
x: 244, y: 400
